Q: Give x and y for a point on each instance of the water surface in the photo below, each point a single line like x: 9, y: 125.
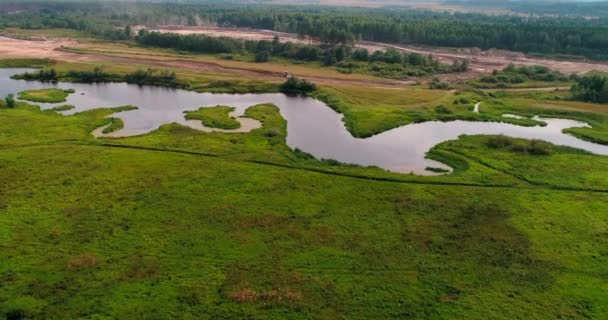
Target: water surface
x: 312, y: 126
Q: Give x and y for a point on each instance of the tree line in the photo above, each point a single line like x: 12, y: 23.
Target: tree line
x: 390, y: 63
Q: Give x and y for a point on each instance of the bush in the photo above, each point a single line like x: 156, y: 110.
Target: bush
x: 539, y: 147
x: 271, y: 133
x: 533, y: 147
x: 499, y: 142
x: 439, y: 85
x: 592, y: 88
x: 10, y: 101
x: 463, y: 100
x: 441, y: 109
x: 295, y: 85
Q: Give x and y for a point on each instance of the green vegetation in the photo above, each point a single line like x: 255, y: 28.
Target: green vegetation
x: 180, y: 223
x: 369, y: 111
x: 52, y: 95
x: 533, y: 147
x: 64, y: 107
x: 112, y: 124
x: 390, y: 63
x: 147, y: 77
x: 549, y: 165
x: 523, y: 76
x: 215, y: 117
x: 184, y: 224
x: 593, y: 88
x: 9, y: 101
x: 297, y: 86
x: 24, y: 63
x: 141, y: 77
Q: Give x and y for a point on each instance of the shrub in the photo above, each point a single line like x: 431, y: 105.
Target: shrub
x: 271, y: 133
x: 592, y: 88
x: 10, y: 101
x: 441, y: 109
x: 539, y: 147
x: 295, y: 85
x: 440, y: 85
x: 533, y: 147
x: 498, y: 142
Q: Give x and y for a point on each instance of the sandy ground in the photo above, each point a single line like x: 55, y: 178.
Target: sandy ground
x: 12, y: 48
x: 414, y: 4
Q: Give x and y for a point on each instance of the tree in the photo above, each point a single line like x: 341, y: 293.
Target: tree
x: 128, y: 32
x: 10, y: 101
x: 592, y: 88
x: 262, y: 56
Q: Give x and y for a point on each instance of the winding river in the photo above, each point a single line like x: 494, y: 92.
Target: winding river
x: 312, y: 126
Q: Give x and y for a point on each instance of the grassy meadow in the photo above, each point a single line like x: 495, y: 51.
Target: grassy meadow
x: 185, y: 224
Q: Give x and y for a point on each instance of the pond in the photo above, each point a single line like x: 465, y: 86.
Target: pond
x: 312, y: 126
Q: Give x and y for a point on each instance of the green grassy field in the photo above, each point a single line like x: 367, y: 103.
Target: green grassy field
x: 191, y: 225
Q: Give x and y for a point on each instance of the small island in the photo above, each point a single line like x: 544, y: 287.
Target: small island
x: 51, y: 95
x: 215, y: 117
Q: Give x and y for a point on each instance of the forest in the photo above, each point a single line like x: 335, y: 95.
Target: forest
x: 331, y: 25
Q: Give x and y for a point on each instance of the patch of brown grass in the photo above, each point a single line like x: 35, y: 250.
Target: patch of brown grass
x: 267, y: 297
x: 83, y: 261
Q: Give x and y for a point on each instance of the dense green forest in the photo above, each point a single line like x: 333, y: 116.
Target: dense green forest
x: 331, y: 25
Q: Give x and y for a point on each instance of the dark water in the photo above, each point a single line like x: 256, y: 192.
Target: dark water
x: 312, y: 126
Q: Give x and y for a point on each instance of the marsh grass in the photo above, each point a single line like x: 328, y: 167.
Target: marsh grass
x: 215, y: 117
x: 46, y: 95
x: 154, y: 227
